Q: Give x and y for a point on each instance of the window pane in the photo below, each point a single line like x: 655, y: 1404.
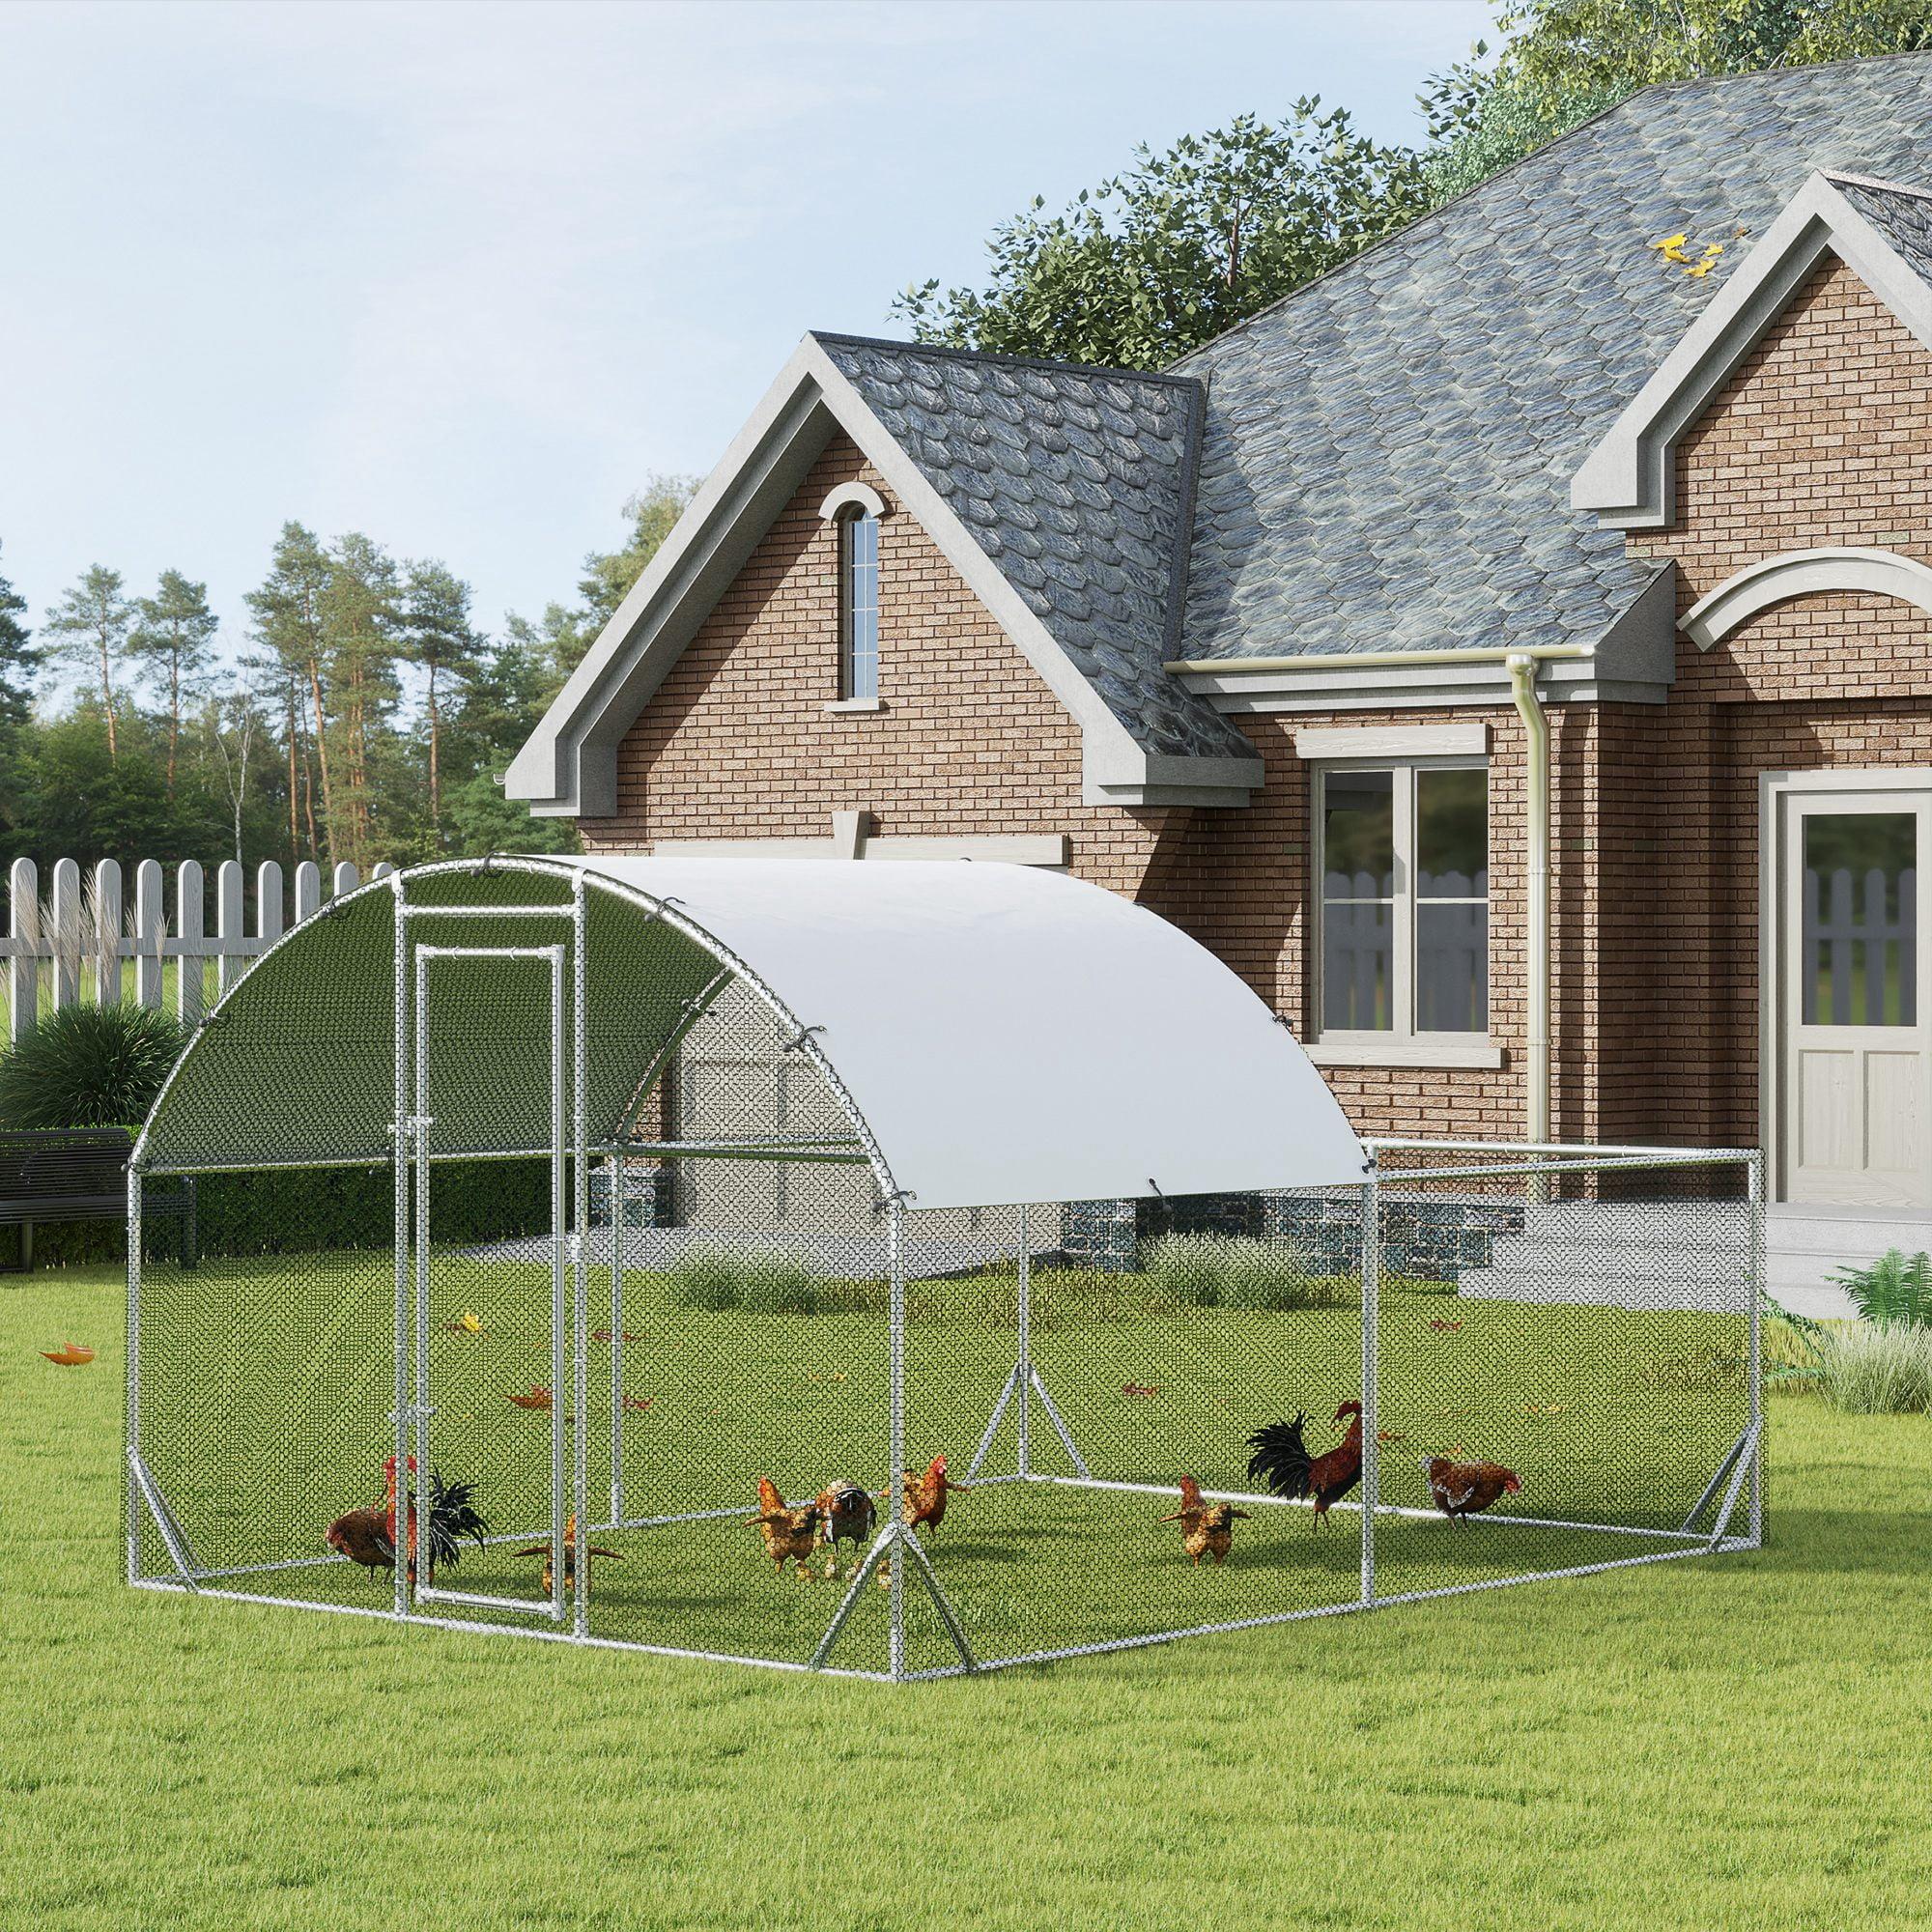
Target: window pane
x: 1358, y: 836
x: 1452, y: 835
x: 858, y: 595
x: 1452, y: 968
x: 1860, y: 927
x: 1358, y: 955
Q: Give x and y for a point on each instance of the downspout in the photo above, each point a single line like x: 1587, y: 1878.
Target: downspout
x: 1522, y: 668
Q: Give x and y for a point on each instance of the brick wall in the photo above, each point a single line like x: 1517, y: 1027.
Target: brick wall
x: 1823, y: 437
x: 737, y: 742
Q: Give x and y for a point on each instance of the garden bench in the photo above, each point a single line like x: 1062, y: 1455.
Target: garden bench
x: 80, y: 1174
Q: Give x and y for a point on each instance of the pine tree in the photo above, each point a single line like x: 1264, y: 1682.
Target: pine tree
x: 176, y: 630
x: 436, y: 635
x: 90, y: 626
x: 18, y: 659
x: 288, y: 609
x: 358, y: 626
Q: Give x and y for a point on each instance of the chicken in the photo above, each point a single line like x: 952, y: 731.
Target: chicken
x: 543, y: 1550
x: 791, y: 1534
x: 365, y: 1536
x: 1204, y: 1527
x: 846, y: 1514
x: 369, y: 1536
x: 1461, y: 1489
x: 925, y: 1496
x: 1280, y: 1460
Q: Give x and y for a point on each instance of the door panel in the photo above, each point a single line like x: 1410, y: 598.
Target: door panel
x: 1852, y: 957
x: 491, y: 1320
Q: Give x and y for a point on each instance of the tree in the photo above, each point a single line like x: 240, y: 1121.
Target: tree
x: 18, y: 659
x: 358, y: 611
x: 91, y: 625
x: 288, y: 609
x: 507, y: 690
x: 435, y: 632
x: 608, y: 576
x: 1566, y: 60
x: 566, y: 631
x: 1179, y: 246
x: 176, y: 630
x: 234, y: 722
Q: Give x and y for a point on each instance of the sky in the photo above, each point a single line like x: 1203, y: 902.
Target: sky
x: 463, y: 275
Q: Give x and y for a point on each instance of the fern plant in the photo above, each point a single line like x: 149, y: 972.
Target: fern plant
x: 1894, y: 1289
x: 88, y: 1066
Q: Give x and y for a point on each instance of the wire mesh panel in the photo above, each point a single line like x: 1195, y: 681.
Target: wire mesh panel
x: 551, y: 1280
x: 1104, y: 1440
x: 1566, y: 1363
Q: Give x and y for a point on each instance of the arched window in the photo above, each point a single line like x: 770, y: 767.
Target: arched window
x: 858, y: 603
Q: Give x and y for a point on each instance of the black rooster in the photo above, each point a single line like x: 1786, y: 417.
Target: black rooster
x: 1280, y: 1460
x: 452, y: 1515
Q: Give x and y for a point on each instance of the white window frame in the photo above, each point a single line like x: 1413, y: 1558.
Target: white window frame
x: 1402, y: 1045
x: 845, y: 523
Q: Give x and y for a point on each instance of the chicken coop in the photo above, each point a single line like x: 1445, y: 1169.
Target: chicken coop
x: 890, y: 1269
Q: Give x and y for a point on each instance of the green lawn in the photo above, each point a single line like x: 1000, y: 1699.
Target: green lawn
x: 1736, y: 1743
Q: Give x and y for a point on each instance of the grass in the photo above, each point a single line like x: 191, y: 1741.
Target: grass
x: 1728, y: 1744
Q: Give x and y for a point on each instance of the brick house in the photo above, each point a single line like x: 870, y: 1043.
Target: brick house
x: 1510, y: 653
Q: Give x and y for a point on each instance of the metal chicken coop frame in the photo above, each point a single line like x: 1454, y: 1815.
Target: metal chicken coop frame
x: 935, y: 1122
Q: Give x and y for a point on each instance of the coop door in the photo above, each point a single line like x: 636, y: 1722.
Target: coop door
x: 492, y: 1308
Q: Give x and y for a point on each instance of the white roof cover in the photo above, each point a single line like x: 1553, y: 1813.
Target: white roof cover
x: 1011, y: 1034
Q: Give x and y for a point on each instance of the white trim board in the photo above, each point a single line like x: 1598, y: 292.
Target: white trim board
x: 1469, y: 739
x: 1804, y: 573
x: 1627, y: 478
x: 1051, y: 849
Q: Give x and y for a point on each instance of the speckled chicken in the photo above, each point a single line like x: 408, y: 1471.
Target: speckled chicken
x: 791, y: 1534
x: 1206, y: 1529
x: 1459, y: 1490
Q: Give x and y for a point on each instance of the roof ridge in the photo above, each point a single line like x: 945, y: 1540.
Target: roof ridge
x: 1582, y: 127
x: 1841, y: 176
x: 1093, y: 369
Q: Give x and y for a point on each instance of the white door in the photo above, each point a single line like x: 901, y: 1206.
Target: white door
x: 1854, y: 987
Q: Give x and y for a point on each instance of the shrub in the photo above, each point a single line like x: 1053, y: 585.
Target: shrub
x: 1230, y: 1271
x: 704, y: 1277
x: 1895, y: 1288
x: 88, y: 1066
x: 778, y: 1284
x: 1876, y: 1368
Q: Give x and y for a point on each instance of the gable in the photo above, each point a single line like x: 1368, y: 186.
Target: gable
x: 1874, y: 232
x: 1071, y: 611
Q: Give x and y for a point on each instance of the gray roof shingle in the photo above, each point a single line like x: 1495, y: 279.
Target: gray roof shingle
x: 1077, y: 483
x: 1386, y: 455
x: 1903, y: 215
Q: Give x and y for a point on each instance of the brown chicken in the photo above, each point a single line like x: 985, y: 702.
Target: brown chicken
x: 1282, y: 1460
x: 925, y: 1496
x: 1461, y: 1489
x: 791, y: 1534
x: 369, y: 1536
x: 1206, y: 1529
x: 543, y: 1550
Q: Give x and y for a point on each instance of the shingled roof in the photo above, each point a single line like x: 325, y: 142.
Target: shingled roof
x: 1386, y: 454
x: 1078, y: 484
x: 1903, y: 215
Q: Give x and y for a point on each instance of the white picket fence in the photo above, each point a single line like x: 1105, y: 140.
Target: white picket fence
x: 75, y: 942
